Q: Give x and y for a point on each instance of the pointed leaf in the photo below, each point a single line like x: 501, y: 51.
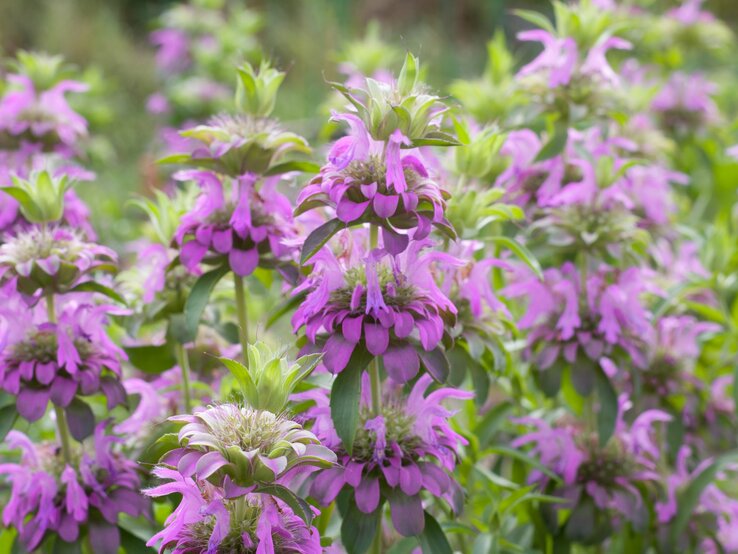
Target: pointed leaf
x: 318, y: 238
x: 346, y: 397
x: 198, y: 299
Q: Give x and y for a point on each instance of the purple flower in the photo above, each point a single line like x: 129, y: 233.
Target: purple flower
x: 690, y: 13
x: 207, y: 520
x: 49, y: 496
x: 173, y: 54
x: 685, y: 103
x: 42, y: 362
x: 390, y: 306
x: 560, y: 60
x: 571, y: 322
x: 244, y: 227
x: 50, y: 260
x: 407, y: 448
x: 41, y: 116
x: 609, y: 476
x: 365, y: 182
x: 238, y: 447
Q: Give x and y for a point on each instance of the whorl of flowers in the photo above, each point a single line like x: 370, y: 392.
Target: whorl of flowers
x: 572, y: 322
x: 244, y: 226
x: 370, y: 181
x: 406, y: 448
x: 84, y: 496
x: 607, y: 478
x: 207, y: 519
x: 40, y: 116
x: 42, y: 361
x: 387, y: 306
x: 684, y: 105
x: 51, y: 260
x: 238, y: 447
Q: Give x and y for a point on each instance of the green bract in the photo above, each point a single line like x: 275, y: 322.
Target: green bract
x: 257, y: 90
x: 269, y: 379
x: 41, y: 196
x: 405, y: 105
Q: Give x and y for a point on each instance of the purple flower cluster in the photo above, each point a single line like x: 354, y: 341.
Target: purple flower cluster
x: 51, y: 495
x: 407, y: 448
x: 243, y: 226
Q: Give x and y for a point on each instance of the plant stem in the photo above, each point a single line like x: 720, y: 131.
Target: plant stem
x: 63, y: 431
x: 243, y: 322
x: 377, y: 542
x: 373, y: 236
x: 61, y: 419
x: 376, y: 382
x: 50, y: 308
x: 184, y: 365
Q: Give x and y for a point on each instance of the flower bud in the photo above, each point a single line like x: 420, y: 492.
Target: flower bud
x: 269, y: 379
x: 257, y: 91
x: 41, y: 196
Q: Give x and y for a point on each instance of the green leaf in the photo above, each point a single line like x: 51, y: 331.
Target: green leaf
x: 537, y: 19
x: 80, y: 419
x: 92, y: 286
x: 433, y: 540
x: 358, y: 529
x: 555, y: 145
x: 242, y: 375
x: 518, y: 455
x: 8, y: 415
x: 162, y: 445
x: 608, y: 413
x: 298, y: 505
x: 525, y: 255
x: 294, y: 165
x: 198, y: 299
x: 132, y: 544
x: 152, y: 359
x: 346, y: 397
x: 689, y: 498
x: 318, y: 238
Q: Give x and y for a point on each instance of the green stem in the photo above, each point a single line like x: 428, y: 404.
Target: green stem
x: 243, y: 322
x: 377, y: 542
x: 184, y: 365
x: 50, y: 308
x: 373, y: 236
x: 63, y: 430
x: 376, y: 382
x: 61, y: 418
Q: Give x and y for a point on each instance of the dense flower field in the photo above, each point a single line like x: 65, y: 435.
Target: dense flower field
x: 501, y: 317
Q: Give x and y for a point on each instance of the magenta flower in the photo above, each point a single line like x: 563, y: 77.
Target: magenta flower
x: 49, y: 496
x: 406, y: 449
x: 237, y: 447
x: 41, y: 116
x: 591, y: 476
x: 42, y: 362
x: 561, y: 60
x: 50, y: 260
x: 685, y: 103
x: 207, y: 520
x: 572, y: 323
x: 173, y: 50
x: 243, y: 226
x: 366, y: 182
x: 391, y: 307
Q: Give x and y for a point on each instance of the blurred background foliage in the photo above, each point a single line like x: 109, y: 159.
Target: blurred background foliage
x: 110, y: 40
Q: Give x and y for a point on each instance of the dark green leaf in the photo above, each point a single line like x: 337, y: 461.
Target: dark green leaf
x: 346, y: 397
x: 525, y: 255
x: 132, y: 544
x: 318, y: 238
x: 63, y: 547
x: 608, y: 413
x: 298, y: 505
x: 92, y: 286
x: 80, y: 419
x: 435, y: 363
x: 198, y: 299
x: 295, y: 165
x: 358, y: 529
x: 151, y: 358
x: 433, y: 540
x: 8, y: 415
x: 555, y: 145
